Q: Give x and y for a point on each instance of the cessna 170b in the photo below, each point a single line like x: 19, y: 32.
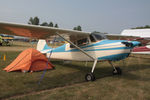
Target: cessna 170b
x: 81, y: 46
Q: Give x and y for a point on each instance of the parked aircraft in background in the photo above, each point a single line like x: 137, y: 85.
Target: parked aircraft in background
x: 81, y: 46
x: 6, y: 40
x: 141, y: 35
x: 144, y: 38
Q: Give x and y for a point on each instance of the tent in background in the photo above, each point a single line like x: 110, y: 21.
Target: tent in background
x: 29, y: 60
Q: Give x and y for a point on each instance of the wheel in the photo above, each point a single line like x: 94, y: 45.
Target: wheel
x: 118, y: 72
x: 90, y: 77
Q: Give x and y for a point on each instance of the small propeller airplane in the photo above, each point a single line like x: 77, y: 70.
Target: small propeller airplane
x: 81, y: 46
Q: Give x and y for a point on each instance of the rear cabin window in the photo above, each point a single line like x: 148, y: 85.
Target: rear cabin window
x: 82, y: 42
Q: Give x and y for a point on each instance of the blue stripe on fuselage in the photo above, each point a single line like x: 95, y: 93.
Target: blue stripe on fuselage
x: 103, y: 42
x: 115, y: 57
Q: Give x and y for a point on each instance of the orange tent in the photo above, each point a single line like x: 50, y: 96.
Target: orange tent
x: 29, y: 60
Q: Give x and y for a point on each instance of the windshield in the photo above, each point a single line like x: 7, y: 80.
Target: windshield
x: 97, y: 36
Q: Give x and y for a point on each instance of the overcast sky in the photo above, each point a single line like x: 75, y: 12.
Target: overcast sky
x: 111, y: 16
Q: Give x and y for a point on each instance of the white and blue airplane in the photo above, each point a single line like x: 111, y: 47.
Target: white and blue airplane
x: 81, y: 46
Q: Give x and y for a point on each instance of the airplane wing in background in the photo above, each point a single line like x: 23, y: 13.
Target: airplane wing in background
x: 39, y: 32
x: 120, y: 36
x: 142, y: 33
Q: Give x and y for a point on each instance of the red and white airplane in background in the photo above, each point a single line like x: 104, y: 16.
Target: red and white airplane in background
x: 143, y: 36
x: 141, y: 50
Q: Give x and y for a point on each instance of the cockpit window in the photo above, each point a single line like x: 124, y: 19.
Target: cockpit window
x: 97, y: 36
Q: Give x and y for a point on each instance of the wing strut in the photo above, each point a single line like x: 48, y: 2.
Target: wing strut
x: 77, y: 47
x: 89, y: 76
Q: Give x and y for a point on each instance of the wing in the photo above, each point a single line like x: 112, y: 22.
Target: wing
x: 39, y: 32
x: 120, y: 37
x: 143, y: 33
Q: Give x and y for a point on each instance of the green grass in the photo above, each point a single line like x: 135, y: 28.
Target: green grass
x: 67, y: 81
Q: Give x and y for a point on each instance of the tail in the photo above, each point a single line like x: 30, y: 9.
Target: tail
x: 43, y: 47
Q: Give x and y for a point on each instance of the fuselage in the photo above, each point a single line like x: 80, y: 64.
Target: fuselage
x: 111, y: 50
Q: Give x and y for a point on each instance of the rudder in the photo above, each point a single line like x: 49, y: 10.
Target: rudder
x: 42, y: 46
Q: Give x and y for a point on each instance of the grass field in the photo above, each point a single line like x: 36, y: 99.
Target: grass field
x: 67, y: 81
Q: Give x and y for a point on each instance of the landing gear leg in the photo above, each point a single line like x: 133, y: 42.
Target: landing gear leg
x: 116, y: 70
x: 90, y: 76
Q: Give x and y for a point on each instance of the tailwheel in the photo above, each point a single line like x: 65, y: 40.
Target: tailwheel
x: 90, y: 77
x: 117, y: 71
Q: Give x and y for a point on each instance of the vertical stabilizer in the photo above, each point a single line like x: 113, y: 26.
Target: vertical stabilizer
x: 43, y: 47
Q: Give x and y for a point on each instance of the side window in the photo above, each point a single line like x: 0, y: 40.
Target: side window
x: 81, y: 42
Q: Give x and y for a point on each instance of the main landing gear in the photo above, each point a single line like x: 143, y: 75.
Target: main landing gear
x: 116, y: 70
x: 90, y: 76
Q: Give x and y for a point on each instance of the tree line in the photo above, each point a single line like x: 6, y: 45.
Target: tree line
x: 36, y: 21
x: 142, y: 27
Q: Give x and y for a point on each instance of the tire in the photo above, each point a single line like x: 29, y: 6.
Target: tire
x: 90, y: 77
x: 119, y: 71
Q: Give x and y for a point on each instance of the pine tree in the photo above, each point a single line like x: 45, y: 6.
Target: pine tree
x: 34, y: 21
x: 56, y: 25
x: 50, y: 24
